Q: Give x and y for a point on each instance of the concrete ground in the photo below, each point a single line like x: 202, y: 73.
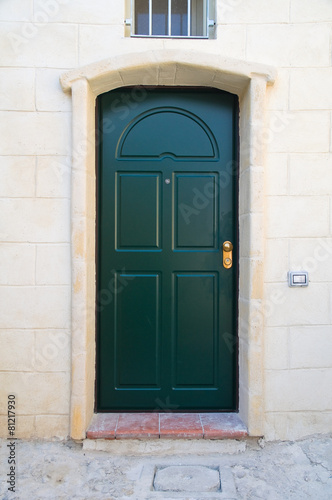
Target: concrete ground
x: 171, y: 470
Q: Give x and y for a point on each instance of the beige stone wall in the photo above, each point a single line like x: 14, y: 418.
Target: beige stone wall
x: 39, y: 41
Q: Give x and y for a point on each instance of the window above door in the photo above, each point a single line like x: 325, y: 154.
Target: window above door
x: 172, y: 18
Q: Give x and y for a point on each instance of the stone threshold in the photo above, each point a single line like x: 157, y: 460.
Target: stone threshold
x: 166, y: 425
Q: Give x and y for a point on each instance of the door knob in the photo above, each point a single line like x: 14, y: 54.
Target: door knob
x: 227, y: 254
x: 227, y: 246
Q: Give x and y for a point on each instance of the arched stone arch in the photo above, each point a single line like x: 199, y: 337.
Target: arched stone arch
x: 180, y: 68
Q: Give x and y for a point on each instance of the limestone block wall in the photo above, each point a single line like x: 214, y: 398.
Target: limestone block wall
x: 39, y: 41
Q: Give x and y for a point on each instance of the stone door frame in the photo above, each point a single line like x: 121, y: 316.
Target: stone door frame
x: 179, y: 68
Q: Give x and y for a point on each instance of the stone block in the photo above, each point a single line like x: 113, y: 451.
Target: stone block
x: 83, y: 12
x: 25, y: 426
x: 286, y: 216
x: 243, y: 367
x: 244, y: 277
x: 17, y: 176
x: 35, y: 133
x: 17, y: 264
x: 95, y: 43
x: 244, y: 192
x: 224, y: 43
x: 17, y: 89
x: 310, y: 347
x: 53, y: 265
x: 255, y: 11
x: 312, y: 255
x: 36, y: 350
x: 130, y: 77
x: 287, y: 306
x: 35, y: 307
x: 32, y: 44
x: 35, y: 220
x: 298, y: 390
x: 208, y: 46
x: 52, y: 426
x: 53, y: 177
x: 296, y: 425
x: 276, y: 174
x: 52, y: 351
x: 165, y: 448
x: 251, y: 231
x: 250, y: 321
x: 310, y: 174
x: 49, y: 94
x: 251, y: 190
x: 310, y: 88
x: 276, y: 260
x: 305, y: 11
x: 16, y: 10
x: 251, y: 278
x: 17, y: 350
x: 288, y: 45
x: 278, y: 93
x: 276, y: 348
x: 244, y: 404
x: 37, y: 393
x: 298, y: 131
x: 256, y: 380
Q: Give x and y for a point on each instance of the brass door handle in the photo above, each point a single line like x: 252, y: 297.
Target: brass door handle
x: 227, y: 254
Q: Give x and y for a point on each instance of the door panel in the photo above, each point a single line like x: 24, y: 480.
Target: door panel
x: 195, y: 214
x: 173, y: 132
x: 166, y: 306
x: 137, y: 331
x: 195, y: 330
x: 138, y: 218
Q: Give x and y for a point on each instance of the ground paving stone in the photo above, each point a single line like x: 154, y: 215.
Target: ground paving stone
x: 269, y: 471
x: 187, y: 478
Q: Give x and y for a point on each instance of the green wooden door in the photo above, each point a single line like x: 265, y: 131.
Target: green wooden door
x: 166, y: 306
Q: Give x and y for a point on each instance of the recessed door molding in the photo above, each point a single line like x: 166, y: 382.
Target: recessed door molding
x: 179, y: 68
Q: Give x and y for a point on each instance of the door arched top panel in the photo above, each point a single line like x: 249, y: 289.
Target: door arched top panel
x: 167, y: 132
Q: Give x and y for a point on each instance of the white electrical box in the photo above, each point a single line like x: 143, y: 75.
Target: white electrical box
x: 298, y: 278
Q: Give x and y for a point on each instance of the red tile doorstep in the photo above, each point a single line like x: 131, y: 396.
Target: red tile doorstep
x: 166, y: 425
x: 223, y: 426
x: 103, y: 426
x: 180, y: 425
x: 138, y: 425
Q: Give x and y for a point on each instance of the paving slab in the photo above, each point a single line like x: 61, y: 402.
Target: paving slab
x: 187, y: 478
x: 297, y: 470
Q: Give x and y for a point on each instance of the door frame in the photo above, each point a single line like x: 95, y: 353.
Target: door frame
x: 176, y: 68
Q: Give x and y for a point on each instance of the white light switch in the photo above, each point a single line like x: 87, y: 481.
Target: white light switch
x: 298, y: 278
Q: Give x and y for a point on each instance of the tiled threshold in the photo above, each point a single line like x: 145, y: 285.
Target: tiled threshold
x: 166, y: 425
